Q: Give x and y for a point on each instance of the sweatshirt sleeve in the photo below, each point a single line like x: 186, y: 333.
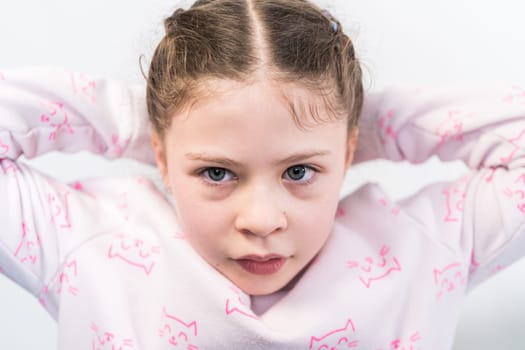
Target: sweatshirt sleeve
x: 481, y: 215
x: 41, y: 219
x: 51, y: 109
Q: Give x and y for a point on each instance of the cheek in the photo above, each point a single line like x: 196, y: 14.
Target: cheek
x: 313, y: 223
x: 193, y: 213
x: 201, y: 231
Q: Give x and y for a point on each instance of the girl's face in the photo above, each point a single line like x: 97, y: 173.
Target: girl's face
x: 256, y: 195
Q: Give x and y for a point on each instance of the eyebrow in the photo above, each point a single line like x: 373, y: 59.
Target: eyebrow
x: 227, y: 162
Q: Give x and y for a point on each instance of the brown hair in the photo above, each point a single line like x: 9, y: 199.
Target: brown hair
x: 290, y: 41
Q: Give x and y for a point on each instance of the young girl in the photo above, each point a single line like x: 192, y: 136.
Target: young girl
x: 254, y: 109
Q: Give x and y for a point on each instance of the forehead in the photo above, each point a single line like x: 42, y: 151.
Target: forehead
x: 308, y: 103
x: 251, y: 116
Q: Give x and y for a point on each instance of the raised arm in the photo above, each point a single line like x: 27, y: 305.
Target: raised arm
x: 50, y: 109
x: 41, y: 219
x: 483, y: 127
x: 481, y: 216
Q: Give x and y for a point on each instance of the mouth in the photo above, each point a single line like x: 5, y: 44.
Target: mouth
x: 262, y: 264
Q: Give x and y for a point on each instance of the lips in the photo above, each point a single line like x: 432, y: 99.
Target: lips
x: 262, y: 264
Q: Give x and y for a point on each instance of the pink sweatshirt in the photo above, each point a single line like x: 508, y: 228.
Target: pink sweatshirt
x: 106, y: 259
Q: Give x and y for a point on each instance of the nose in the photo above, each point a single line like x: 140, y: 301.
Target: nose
x: 260, y: 212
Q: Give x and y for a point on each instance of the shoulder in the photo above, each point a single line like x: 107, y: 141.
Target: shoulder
x: 369, y: 203
x: 433, y: 214
x: 135, y: 199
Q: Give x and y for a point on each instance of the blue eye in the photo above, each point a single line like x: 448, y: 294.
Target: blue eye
x: 217, y: 175
x: 299, y: 173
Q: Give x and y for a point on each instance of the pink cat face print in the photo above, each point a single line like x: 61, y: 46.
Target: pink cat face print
x: 386, y: 129
x: 337, y: 339
x: 374, y: 268
x: 517, y: 141
x: 449, y: 278
x: 455, y: 196
x: 119, y: 144
x: 8, y: 167
x: 4, y: 148
x: 67, y: 280
x: 451, y: 127
x: 107, y: 340
x: 516, y: 193
x: 134, y: 252
x: 28, y: 249
x: 56, y: 118
x: 409, y: 343
x: 59, y: 208
x: 238, y: 304
x: 177, y: 333
x: 84, y: 85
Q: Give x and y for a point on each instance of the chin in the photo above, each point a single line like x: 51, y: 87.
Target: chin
x: 259, y: 288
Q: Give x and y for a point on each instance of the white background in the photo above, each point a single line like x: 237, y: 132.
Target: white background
x: 399, y: 42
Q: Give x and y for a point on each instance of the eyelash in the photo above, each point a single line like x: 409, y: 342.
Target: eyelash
x: 303, y: 182
x: 202, y: 173
x: 203, y: 176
